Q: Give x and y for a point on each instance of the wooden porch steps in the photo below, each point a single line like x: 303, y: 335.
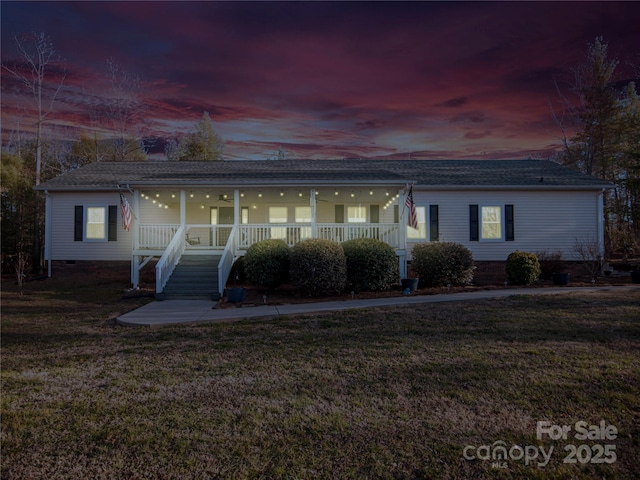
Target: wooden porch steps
x: 195, y: 276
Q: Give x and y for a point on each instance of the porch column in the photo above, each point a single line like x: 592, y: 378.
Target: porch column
x: 402, y: 234
x: 135, y: 260
x: 236, y: 207
x: 183, y: 208
x: 136, y: 219
x: 312, y: 203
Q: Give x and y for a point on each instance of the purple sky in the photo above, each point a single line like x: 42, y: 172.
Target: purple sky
x: 333, y: 79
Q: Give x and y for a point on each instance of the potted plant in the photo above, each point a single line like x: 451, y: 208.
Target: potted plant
x: 235, y: 294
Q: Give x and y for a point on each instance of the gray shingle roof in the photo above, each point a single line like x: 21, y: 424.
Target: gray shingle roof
x: 425, y: 173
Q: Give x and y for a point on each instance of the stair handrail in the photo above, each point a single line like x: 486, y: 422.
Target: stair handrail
x: 226, y: 260
x: 170, y: 258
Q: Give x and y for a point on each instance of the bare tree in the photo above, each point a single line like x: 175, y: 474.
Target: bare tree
x: 38, y: 58
x: 125, y: 110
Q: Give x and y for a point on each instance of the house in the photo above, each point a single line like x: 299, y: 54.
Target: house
x: 211, y: 212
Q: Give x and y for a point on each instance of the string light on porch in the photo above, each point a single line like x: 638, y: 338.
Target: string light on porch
x: 207, y: 195
x: 281, y: 193
x: 191, y: 194
x: 157, y: 194
x: 259, y: 194
x: 352, y: 194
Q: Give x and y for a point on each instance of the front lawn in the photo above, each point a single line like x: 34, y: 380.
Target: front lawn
x: 407, y: 392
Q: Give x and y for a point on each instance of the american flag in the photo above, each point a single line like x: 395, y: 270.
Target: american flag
x: 126, y: 213
x: 413, y: 217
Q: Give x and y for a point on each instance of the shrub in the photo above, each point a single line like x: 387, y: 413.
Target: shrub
x: 522, y: 268
x: 372, y: 265
x: 237, y: 273
x: 318, y: 267
x: 266, y: 263
x: 439, y: 264
x: 550, y: 263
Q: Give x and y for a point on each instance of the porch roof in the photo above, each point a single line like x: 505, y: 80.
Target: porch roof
x: 282, y: 173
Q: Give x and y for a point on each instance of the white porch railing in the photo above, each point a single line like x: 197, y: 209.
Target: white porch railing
x: 169, y: 259
x: 226, y: 261
x: 156, y: 236
x: 203, y: 236
x: 293, y: 233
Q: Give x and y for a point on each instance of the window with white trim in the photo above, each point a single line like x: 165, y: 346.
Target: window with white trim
x: 303, y: 215
x: 491, y: 223
x: 95, y: 223
x: 278, y: 215
x: 421, y: 233
x: 356, y: 214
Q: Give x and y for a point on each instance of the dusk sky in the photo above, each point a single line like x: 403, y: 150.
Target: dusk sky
x: 434, y: 80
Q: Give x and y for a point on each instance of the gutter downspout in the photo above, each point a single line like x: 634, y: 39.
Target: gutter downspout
x: 600, y: 210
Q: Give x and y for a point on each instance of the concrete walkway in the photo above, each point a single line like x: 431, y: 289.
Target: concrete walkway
x: 171, y: 312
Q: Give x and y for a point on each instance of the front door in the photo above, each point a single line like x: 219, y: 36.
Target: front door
x: 221, y: 216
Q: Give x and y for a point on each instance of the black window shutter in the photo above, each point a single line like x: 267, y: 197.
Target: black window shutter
x: 474, y: 230
x: 510, y: 235
x: 434, y: 229
x: 78, y: 223
x: 396, y: 214
x: 374, y: 213
x: 113, y: 223
x: 339, y: 213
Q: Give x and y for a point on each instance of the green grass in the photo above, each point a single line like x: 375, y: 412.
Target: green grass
x: 385, y: 393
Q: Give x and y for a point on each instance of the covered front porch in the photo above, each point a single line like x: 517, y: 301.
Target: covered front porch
x: 201, y: 221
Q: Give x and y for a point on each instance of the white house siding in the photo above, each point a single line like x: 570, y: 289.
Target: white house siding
x: 63, y: 246
x: 544, y: 220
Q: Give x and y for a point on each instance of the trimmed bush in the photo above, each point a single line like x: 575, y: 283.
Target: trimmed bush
x: 522, y: 268
x: 372, y: 265
x: 440, y: 264
x: 266, y: 263
x: 318, y: 267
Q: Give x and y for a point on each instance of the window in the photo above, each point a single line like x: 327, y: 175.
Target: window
x: 278, y: 215
x: 491, y: 223
x: 244, y: 215
x: 421, y: 233
x: 96, y: 223
x: 303, y: 215
x: 356, y: 214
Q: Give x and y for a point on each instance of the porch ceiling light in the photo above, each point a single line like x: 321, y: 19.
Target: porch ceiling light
x: 166, y: 206
x: 157, y: 194
x: 259, y: 194
x: 242, y: 194
x: 300, y: 194
x: 281, y: 193
x: 337, y: 193
x: 191, y: 194
x: 353, y: 194
x: 154, y: 201
x: 207, y: 195
x: 386, y: 193
x: 173, y: 195
x: 202, y: 206
x: 370, y: 192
